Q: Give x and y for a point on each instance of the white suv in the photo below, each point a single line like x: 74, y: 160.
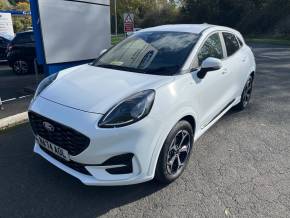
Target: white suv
x: 135, y: 112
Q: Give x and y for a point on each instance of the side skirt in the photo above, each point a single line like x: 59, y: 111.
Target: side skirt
x: 224, y: 109
x: 216, y: 118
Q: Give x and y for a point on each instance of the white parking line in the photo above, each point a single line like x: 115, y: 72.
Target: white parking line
x: 24, y: 96
x: 10, y: 99
x: 13, y: 99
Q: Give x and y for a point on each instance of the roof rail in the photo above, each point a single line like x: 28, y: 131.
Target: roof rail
x: 206, y: 28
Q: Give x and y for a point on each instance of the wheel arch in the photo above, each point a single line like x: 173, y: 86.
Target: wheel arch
x: 253, y: 74
x: 191, y: 120
x: 189, y: 117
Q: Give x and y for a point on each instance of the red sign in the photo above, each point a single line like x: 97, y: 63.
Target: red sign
x: 128, y: 22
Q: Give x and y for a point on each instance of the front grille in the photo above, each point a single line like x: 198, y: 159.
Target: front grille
x: 71, y: 164
x: 62, y: 136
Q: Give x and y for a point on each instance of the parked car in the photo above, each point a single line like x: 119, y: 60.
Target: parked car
x: 4, y: 42
x: 21, y: 53
x: 135, y: 113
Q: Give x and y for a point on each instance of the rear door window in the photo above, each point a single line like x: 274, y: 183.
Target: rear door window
x: 232, y: 44
x: 24, y: 38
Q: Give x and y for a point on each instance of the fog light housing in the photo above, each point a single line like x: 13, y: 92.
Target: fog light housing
x: 122, y: 162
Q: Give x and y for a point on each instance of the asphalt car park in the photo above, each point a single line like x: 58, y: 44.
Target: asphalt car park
x: 239, y: 168
x: 16, y: 91
x: 12, y: 85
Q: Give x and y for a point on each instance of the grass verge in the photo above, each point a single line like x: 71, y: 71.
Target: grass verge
x: 117, y: 38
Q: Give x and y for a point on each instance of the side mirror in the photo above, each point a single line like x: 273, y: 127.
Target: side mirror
x: 103, y: 51
x: 209, y: 64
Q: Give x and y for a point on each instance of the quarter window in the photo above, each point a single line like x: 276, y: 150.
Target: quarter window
x: 232, y: 44
x: 211, y: 48
x: 240, y: 42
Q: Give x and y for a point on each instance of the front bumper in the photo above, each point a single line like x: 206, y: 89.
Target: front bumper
x: 98, y: 179
x: 139, y: 139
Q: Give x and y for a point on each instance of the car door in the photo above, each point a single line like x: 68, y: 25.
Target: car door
x: 3, y: 47
x: 234, y: 63
x: 23, y: 47
x: 212, y: 89
x: 30, y: 47
x: 26, y: 47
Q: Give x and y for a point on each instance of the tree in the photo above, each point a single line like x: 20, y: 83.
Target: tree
x: 140, y: 8
x: 22, y: 6
x: 168, y: 14
x: 249, y: 16
x: 4, y: 5
x: 21, y: 23
x: 14, y: 2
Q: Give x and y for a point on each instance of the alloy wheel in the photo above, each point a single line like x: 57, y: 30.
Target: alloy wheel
x: 178, y: 152
x: 247, y: 92
x: 21, y: 67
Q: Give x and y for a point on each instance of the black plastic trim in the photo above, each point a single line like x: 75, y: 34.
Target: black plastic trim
x: 220, y: 112
x: 64, y: 136
x: 71, y: 164
x: 123, y: 159
x: 203, y: 71
x: 120, y: 170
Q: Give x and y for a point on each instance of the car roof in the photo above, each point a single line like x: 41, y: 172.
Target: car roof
x: 190, y: 28
x: 24, y: 32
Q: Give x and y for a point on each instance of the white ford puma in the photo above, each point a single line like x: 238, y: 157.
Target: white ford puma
x: 134, y: 113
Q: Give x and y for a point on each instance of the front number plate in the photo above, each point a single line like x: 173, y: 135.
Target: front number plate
x: 60, y: 152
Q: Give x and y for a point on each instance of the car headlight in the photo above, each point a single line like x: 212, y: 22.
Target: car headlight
x: 128, y: 111
x: 44, y: 83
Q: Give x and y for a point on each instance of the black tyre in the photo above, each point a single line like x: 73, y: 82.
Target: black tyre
x: 21, y: 67
x: 246, y: 95
x: 175, y: 153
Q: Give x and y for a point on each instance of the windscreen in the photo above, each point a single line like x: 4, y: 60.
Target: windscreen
x: 159, y: 53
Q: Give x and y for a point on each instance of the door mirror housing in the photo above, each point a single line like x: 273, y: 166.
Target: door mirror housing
x: 103, y: 51
x: 209, y: 64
